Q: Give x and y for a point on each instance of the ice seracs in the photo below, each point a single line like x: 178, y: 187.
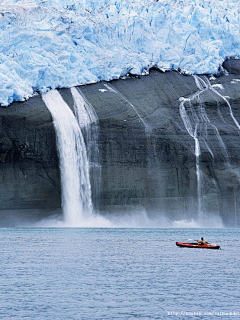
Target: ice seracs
x: 64, y: 43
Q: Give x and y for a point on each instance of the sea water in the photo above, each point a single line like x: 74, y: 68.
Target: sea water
x: 84, y: 273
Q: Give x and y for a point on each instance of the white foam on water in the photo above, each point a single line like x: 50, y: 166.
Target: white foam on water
x: 206, y: 222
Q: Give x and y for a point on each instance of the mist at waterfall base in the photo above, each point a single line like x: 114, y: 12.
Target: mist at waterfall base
x: 136, y: 217
x: 68, y: 273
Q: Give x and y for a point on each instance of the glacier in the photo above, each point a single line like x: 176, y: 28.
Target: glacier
x: 48, y: 44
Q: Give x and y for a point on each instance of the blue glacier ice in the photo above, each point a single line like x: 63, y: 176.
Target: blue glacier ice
x: 47, y: 44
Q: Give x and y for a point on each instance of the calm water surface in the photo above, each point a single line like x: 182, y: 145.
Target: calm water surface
x: 118, y: 274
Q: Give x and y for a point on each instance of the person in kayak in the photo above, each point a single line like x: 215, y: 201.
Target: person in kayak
x: 202, y: 241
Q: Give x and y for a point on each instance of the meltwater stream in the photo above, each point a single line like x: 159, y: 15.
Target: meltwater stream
x: 74, y: 166
x: 197, y: 123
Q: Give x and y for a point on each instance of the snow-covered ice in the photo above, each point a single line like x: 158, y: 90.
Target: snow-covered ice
x: 46, y: 44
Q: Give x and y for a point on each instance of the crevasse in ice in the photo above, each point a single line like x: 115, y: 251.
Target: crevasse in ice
x: 46, y: 44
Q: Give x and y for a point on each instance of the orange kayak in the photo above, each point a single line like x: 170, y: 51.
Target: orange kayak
x: 197, y: 245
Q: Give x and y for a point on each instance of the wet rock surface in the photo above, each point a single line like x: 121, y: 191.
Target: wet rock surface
x: 147, y: 151
x: 28, y: 159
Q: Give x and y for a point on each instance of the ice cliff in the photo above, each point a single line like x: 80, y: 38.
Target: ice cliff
x: 63, y: 43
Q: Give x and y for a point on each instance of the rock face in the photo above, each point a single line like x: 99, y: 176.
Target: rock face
x: 168, y: 143
x: 232, y: 66
x: 149, y: 157
x: 28, y: 160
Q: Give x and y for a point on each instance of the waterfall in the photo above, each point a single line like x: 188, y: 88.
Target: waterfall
x: 194, y: 134
x: 74, y: 166
x: 88, y: 122
x: 197, y: 124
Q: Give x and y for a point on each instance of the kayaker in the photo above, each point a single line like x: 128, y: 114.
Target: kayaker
x: 202, y: 241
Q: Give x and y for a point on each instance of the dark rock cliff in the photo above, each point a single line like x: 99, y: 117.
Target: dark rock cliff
x: 146, y: 152
x: 28, y: 160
